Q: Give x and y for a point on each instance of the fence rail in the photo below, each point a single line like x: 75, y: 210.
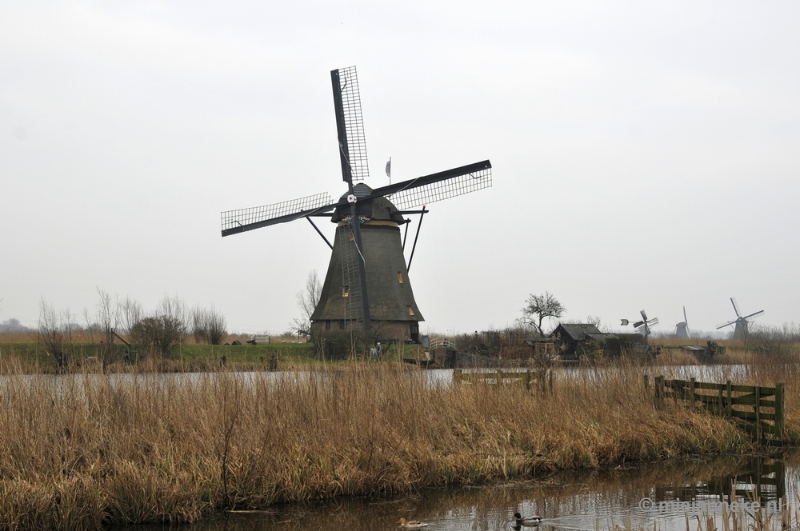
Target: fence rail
x: 758, y: 410
x: 500, y: 377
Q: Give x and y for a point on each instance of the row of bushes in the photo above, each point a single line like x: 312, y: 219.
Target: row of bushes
x: 157, y: 331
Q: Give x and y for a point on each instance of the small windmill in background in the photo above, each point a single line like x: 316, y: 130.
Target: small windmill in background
x: 643, y: 326
x: 741, y: 322
x: 682, y: 329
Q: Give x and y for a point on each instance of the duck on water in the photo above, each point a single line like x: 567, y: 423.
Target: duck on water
x: 527, y: 521
x: 411, y: 524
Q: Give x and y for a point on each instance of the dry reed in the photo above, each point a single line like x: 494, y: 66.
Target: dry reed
x: 89, y: 450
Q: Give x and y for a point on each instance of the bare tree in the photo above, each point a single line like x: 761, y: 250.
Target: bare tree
x: 130, y: 312
x: 174, y: 308
x: 55, y: 331
x: 208, y: 326
x: 539, y: 308
x: 217, y: 326
x: 107, y: 316
x: 307, y: 300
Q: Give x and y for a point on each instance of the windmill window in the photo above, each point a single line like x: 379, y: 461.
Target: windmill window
x: 327, y: 325
x: 345, y: 291
x: 400, y: 277
x: 410, y: 310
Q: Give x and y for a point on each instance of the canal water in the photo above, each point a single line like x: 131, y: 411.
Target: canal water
x: 665, y: 496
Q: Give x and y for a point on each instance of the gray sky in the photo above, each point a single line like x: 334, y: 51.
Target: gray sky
x: 645, y: 155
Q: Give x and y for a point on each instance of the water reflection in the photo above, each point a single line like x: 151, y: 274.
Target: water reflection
x: 596, y: 500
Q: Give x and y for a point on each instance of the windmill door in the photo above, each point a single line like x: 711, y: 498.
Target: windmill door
x: 414, y: 329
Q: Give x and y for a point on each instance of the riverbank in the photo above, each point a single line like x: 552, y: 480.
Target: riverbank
x: 82, y: 453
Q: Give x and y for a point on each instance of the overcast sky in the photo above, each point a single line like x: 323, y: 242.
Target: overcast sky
x: 645, y: 155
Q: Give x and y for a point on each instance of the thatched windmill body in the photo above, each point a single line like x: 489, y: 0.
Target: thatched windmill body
x: 367, y: 284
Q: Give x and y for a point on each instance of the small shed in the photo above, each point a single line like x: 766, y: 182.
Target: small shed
x: 574, y: 337
x: 542, y: 350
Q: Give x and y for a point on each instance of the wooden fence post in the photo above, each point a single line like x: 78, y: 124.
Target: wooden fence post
x: 646, y: 382
x: 659, y: 384
x: 729, y: 405
x: 691, y: 396
x: 758, y: 413
x: 779, y: 409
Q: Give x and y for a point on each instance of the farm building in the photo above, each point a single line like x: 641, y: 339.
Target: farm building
x: 574, y: 338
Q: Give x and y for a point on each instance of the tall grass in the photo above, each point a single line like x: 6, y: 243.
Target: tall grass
x: 86, y: 450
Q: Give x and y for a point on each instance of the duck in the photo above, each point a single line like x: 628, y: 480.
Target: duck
x: 411, y: 524
x: 520, y: 520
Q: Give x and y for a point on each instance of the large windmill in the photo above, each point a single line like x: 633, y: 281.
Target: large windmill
x: 367, y: 281
x: 682, y: 329
x: 740, y: 323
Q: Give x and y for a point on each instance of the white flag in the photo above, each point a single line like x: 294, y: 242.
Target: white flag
x: 389, y: 168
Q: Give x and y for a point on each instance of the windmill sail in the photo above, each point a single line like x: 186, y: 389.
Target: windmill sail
x: 438, y: 186
x: 244, y: 219
x: 349, y: 124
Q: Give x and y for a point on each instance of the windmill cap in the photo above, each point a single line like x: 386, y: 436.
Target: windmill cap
x: 378, y: 208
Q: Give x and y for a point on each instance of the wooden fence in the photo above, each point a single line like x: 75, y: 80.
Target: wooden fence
x: 760, y: 479
x: 500, y: 377
x: 758, y: 410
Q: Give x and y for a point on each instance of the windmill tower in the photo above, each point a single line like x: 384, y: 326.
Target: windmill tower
x: 740, y: 330
x: 643, y: 326
x: 682, y: 329
x: 367, y: 284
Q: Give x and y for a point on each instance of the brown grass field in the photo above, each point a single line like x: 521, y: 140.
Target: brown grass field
x: 84, y: 451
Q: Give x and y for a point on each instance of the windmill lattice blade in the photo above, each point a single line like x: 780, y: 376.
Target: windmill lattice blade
x: 685, y: 319
x: 729, y: 323
x: 735, y: 307
x: 644, y: 315
x: 235, y: 221
x: 653, y: 321
x: 350, y: 124
x: 637, y: 324
x: 753, y: 314
x: 438, y: 186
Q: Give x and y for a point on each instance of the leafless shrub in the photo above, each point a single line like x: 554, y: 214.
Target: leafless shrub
x: 174, y: 308
x: 208, y: 326
x: 773, y: 340
x: 159, y: 334
x: 130, y: 313
x: 56, y: 331
x: 164, y: 329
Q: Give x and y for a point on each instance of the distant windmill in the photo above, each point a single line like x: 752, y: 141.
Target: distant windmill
x: 740, y: 323
x: 682, y: 329
x: 643, y: 326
